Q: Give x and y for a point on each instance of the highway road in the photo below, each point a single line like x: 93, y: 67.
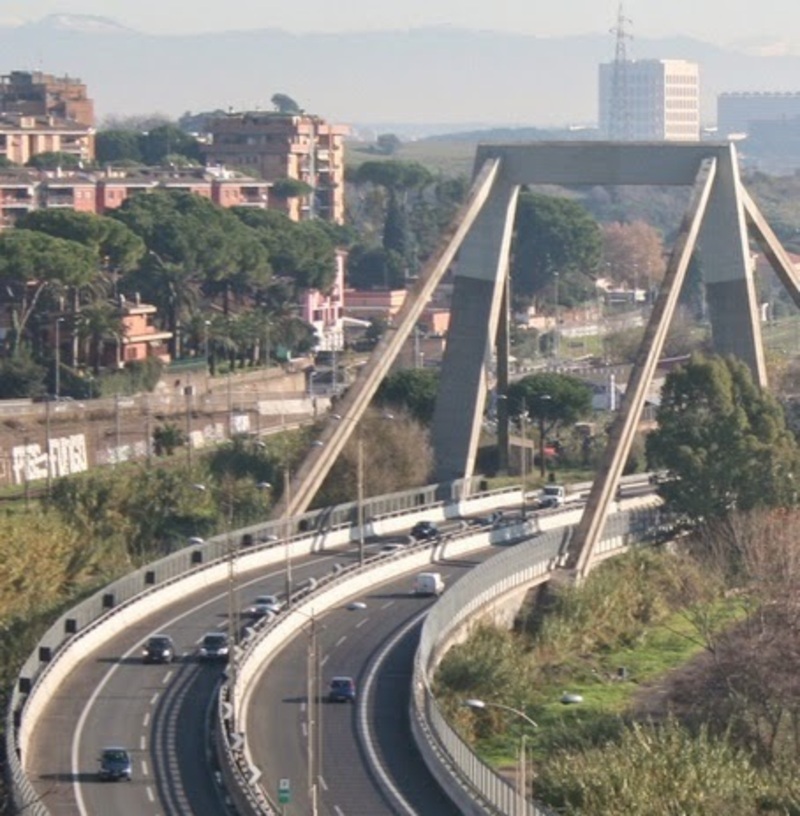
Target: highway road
x: 159, y: 712
x: 364, y: 758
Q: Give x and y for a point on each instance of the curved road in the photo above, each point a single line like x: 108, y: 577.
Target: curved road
x: 159, y: 712
x: 346, y: 741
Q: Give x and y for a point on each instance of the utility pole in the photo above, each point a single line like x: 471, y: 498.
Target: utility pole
x: 360, y: 497
x: 313, y: 708
x: 287, y: 521
x: 523, y: 421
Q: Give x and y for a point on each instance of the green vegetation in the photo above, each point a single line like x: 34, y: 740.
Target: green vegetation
x: 684, y: 707
x: 723, y: 442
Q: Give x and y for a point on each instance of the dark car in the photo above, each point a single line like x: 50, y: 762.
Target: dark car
x: 424, y: 531
x: 342, y: 690
x: 159, y: 649
x: 214, y: 646
x: 115, y: 763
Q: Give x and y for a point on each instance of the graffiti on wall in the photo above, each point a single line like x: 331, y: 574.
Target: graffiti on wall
x: 66, y: 455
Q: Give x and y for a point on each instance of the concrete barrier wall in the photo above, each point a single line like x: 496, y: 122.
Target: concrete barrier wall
x: 131, y: 599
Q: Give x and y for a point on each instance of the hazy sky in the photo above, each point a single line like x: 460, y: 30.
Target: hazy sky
x: 714, y: 21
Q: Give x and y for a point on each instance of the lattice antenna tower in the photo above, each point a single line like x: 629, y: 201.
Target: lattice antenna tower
x: 619, y: 113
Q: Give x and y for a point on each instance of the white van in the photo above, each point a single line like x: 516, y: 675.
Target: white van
x: 428, y: 583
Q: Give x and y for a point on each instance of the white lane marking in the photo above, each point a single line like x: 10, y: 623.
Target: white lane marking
x: 144, y: 767
x: 322, y: 782
x: 361, y: 623
x: 324, y: 660
x: 341, y: 640
x: 150, y: 795
x: 95, y: 695
x: 146, y: 720
x: 364, y: 730
x: 339, y: 811
x: 304, y: 728
x: 303, y: 707
x: 387, y: 604
x: 142, y: 743
x: 167, y: 677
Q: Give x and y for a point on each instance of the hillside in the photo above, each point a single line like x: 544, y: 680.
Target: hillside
x: 444, y: 75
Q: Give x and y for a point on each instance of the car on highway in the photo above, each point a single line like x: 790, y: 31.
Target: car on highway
x: 115, y: 764
x: 485, y: 521
x: 342, y: 690
x: 424, y: 531
x: 159, y: 649
x: 214, y: 646
x: 264, y: 605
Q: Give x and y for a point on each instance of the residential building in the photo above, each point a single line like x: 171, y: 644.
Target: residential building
x: 42, y: 95
x: 649, y: 100
x: 23, y: 190
x: 24, y: 136
x: 325, y: 310
x: 737, y: 112
x: 279, y: 146
x: 140, y: 339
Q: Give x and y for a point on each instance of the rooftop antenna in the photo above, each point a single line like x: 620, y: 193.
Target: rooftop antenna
x: 619, y: 114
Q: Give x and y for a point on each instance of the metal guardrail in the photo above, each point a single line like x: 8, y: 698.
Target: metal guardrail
x: 195, y: 557
x: 524, y: 565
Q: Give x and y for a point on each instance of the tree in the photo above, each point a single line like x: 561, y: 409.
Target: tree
x: 95, y: 324
x: 634, y: 254
x: 290, y: 188
x: 552, y: 400
x: 53, y: 160
x: 114, y: 245
x: 113, y: 146
x: 388, y: 143
x: 285, y: 104
x: 412, y: 390
x: 374, y: 268
x: 723, y: 442
x: 156, y: 144
x: 554, y: 235
x: 32, y: 263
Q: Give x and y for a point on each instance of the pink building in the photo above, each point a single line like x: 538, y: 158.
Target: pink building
x: 325, y: 311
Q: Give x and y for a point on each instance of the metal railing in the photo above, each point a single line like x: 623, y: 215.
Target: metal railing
x: 523, y: 566
x: 137, y: 585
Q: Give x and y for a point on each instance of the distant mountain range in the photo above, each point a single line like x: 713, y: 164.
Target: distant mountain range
x: 433, y: 79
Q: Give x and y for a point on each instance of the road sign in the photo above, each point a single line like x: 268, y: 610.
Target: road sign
x: 284, y: 791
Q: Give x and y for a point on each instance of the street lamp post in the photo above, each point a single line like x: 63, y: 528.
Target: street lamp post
x: 540, y: 417
x: 522, y: 782
x: 523, y: 424
x: 206, y: 324
x: 59, y: 321
x: 556, y: 337
x: 287, y: 521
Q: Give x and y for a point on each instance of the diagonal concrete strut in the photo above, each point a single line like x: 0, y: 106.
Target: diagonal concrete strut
x: 321, y: 458
x: 623, y: 430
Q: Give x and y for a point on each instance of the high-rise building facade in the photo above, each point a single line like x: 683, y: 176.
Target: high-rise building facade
x: 649, y: 100
x: 279, y: 146
x: 38, y: 94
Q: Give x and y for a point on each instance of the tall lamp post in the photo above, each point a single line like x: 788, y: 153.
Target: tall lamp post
x: 523, y: 426
x: 556, y: 337
x: 540, y: 418
x: 59, y: 321
x: 522, y: 782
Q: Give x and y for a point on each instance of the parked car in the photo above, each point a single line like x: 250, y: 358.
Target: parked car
x: 342, y: 690
x: 264, y: 605
x: 214, y: 646
x: 424, y: 531
x: 115, y: 764
x: 159, y: 649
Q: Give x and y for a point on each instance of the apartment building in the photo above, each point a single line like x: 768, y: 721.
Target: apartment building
x: 23, y: 136
x: 43, y: 95
x: 649, y: 100
x: 23, y: 190
x: 278, y: 146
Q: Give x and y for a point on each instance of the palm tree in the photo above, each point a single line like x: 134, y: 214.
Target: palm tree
x: 95, y: 324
